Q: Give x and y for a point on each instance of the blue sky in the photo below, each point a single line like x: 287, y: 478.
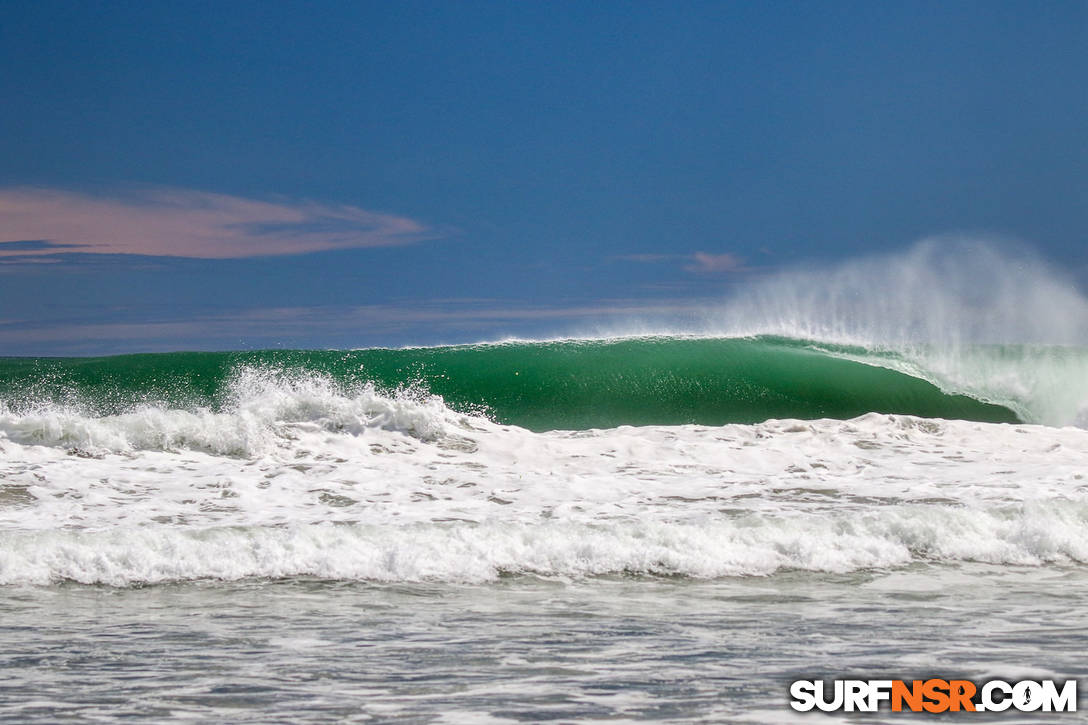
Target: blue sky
x: 236, y: 175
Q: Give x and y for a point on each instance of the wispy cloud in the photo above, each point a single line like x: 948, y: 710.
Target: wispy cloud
x: 706, y: 263
x: 36, y: 245
x: 703, y: 263
x: 187, y: 223
x: 648, y: 258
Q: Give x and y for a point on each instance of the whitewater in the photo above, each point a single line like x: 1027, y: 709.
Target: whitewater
x: 877, y: 469
x: 303, y: 479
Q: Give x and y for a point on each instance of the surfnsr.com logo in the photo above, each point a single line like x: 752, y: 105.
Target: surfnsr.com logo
x: 934, y: 695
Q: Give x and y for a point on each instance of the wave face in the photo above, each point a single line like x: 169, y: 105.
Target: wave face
x: 568, y: 385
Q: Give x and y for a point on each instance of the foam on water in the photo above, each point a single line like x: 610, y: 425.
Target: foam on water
x: 261, y: 402
x: 301, y: 477
x: 754, y: 545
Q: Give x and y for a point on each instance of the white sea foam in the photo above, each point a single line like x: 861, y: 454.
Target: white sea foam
x: 750, y: 545
x: 262, y: 402
x: 300, y: 478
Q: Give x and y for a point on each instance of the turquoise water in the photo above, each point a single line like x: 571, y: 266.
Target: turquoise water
x: 537, y: 385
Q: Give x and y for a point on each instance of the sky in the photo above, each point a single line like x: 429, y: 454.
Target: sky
x: 236, y: 175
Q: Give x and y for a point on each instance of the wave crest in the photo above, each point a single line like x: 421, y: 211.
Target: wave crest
x: 265, y: 405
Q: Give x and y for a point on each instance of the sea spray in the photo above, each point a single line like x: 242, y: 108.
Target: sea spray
x: 980, y: 317
x: 942, y: 293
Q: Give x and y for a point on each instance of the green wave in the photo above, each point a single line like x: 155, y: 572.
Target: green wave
x: 537, y: 385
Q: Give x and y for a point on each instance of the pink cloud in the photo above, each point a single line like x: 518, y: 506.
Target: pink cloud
x: 646, y: 258
x: 697, y: 263
x: 705, y: 263
x: 186, y: 223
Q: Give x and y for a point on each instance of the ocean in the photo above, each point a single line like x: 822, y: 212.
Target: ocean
x: 661, y: 528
